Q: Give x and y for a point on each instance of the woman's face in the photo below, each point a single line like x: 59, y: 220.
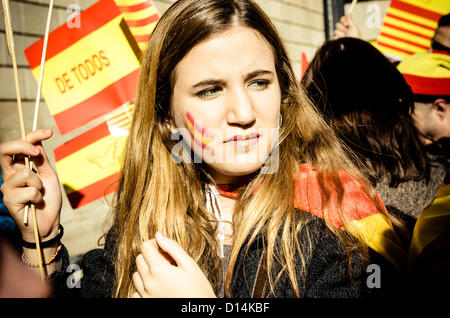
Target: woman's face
x: 226, y: 102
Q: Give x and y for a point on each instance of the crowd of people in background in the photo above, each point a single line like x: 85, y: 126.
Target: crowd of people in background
x: 391, y: 119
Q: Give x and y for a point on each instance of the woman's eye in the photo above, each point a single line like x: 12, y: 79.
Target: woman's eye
x: 209, y: 92
x: 260, y: 84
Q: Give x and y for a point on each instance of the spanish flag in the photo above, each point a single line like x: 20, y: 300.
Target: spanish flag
x: 141, y: 16
x: 409, y: 26
x: 360, y: 215
x: 89, y: 71
x: 89, y: 165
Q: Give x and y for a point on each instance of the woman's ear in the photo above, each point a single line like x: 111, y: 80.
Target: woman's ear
x: 441, y: 107
x: 170, y: 124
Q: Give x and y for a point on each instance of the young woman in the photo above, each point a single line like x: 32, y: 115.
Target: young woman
x: 259, y: 197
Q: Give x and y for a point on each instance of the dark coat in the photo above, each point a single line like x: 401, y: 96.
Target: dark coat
x: 327, y: 274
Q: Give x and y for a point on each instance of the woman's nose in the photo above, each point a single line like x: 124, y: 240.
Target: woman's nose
x: 240, y: 108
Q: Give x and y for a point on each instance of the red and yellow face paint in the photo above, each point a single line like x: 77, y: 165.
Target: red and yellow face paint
x: 200, y: 135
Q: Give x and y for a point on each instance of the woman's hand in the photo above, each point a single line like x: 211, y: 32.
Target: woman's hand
x: 173, y: 275
x: 22, y: 185
x: 346, y: 28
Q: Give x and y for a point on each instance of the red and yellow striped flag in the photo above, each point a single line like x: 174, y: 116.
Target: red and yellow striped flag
x: 141, y: 16
x: 89, y: 165
x: 89, y: 71
x: 360, y: 215
x: 409, y: 26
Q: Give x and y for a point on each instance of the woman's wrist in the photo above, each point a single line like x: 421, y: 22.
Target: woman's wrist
x: 48, y: 241
x: 30, y: 237
x: 49, y: 257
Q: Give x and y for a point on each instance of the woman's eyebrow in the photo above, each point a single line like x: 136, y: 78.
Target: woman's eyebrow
x: 257, y: 73
x: 214, y: 82
x: 209, y: 82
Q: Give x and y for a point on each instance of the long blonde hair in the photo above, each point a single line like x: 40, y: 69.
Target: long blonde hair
x: 157, y: 194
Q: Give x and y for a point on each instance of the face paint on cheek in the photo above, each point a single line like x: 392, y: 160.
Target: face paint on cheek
x: 200, y: 135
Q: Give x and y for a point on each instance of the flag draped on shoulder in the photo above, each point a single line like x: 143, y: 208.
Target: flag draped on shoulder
x: 409, y: 26
x: 360, y: 215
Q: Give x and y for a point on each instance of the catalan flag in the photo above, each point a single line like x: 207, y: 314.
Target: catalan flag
x: 89, y: 165
x: 141, y: 16
x: 409, y: 26
x: 89, y: 71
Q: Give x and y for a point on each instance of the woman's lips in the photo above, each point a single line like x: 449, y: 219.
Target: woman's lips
x: 247, y: 138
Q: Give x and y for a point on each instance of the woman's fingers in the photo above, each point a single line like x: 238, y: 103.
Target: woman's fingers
x: 174, y: 249
x: 138, y: 284
x: 16, y: 199
x: 38, y: 135
x: 152, y: 256
x: 23, y: 178
x: 9, y: 150
x: 30, y: 147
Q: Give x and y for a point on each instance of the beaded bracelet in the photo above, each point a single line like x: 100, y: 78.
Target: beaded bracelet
x: 51, y: 260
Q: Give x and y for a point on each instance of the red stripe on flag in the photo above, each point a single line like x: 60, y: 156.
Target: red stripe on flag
x: 392, y: 15
x: 61, y: 38
x: 121, y: 91
x: 136, y: 7
x: 403, y: 40
x: 120, y: 123
x: 407, y: 31
x: 94, y: 191
x: 143, y: 22
x: 428, y: 85
x: 428, y: 14
x: 395, y: 48
x: 142, y: 38
x: 81, y: 141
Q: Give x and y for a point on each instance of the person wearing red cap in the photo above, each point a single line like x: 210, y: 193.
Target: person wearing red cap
x: 428, y: 75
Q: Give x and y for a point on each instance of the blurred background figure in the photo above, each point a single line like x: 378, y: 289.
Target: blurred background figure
x: 16, y: 280
x: 428, y: 75
x: 441, y: 39
x: 368, y: 103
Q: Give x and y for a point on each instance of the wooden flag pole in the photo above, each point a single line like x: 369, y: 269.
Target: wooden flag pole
x: 41, y: 75
x: 352, y: 6
x: 11, y: 49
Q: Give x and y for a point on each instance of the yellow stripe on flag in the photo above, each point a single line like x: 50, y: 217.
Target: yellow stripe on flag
x: 92, y: 163
x: 128, y: 2
x: 407, y: 36
x: 412, y: 17
x: 400, y: 44
x: 143, y: 30
x: 66, y: 65
x: 141, y: 14
x: 376, y: 232
x: 408, y: 26
x: 392, y: 52
x: 438, y: 6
